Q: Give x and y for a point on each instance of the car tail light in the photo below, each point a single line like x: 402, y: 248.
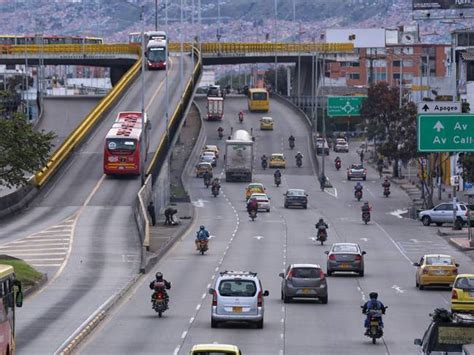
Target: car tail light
x: 365, y: 171
x: 455, y: 271
x: 259, y: 299
x: 358, y: 258
x: 321, y: 275
x: 332, y: 257
x: 290, y: 275
x: 214, y: 298
x: 426, y: 271
x: 454, y: 295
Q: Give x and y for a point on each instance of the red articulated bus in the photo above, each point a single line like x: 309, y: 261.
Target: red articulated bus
x: 122, y: 149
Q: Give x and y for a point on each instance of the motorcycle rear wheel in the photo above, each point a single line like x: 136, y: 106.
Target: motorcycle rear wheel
x: 160, y: 314
x: 374, y: 340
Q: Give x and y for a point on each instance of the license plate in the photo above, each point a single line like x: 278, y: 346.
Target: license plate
x: 306, y: 291
x: 440, y: 272
x: 344, y: 266
x: 237, y: 309
x: 374, y: 324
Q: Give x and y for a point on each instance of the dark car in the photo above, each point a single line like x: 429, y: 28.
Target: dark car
x: 345, y: 257
x: 296, y: 197
x: 304, y: 281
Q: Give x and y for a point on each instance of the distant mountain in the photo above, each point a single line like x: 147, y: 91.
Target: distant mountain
x: 246, y: 20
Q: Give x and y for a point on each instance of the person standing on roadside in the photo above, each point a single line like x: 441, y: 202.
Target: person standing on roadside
x: 151, y: 212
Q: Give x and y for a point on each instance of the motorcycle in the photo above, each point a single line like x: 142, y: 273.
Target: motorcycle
x: 358, y: 194
x: 338, y: 165
x: 215, y: 191
x: 366, y: 217
x: 160, y: 304
x: 386, y: 191
x: 203, y: 246
x: 292, y: 144
x: 207, y: 182
x: 253, y: 214
x: 277, y: 181
x: 322, y: 235
x: 375, y: 330
x: 264, y: 164
x: 299, y: 162
x: 241, y: 117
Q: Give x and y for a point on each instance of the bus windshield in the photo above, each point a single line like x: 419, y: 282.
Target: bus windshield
x: 120, y: 144
x: 259, y: 96
x: 158, y: 38
x: 157, y: 54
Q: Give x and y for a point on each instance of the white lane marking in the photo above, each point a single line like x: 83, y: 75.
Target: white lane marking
x: 176, y: 350
x: 38, y: 254
x: 184, y: 334
x: 361, y: 293
x: 394, y: 243
x: 415, y: 240
x: 198, y: 307
x: 328, y: 191
x: 191, y: 320
x: 208, y: 286
x: 370, y: 192
x: 16, y: 250
x: 258, y: 237
x: 41, y: 240
x: 203, y: 296
x: 364, y: 239
x: 397, y: 213
x: 398, y: 289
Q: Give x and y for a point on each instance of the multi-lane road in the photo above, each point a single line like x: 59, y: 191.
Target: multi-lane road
x: 81, y: 226
x: 273, y: 241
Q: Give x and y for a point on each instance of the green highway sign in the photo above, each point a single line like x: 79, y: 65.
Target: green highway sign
x: 344, y: 105
x: 445, y: 133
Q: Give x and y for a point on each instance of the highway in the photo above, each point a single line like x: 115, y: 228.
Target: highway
x: 275, y: 240
x: 82, y: 224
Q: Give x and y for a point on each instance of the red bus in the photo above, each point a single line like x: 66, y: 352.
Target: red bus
x: 122, y: 149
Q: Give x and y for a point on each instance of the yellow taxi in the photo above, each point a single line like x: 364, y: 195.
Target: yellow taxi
x: 266, y: 123
x: 435, y: 270
x: 254, y: 187
x: 211, y: 148
x: 215, y: 349
x: 277, y: 160
x: 462, y: 295
x: 202, y: 167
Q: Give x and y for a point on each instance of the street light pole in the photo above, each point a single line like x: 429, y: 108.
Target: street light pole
x: 276, y: 57
x: 156, y: 15
x: 142, y: 141
x: 167, y: 99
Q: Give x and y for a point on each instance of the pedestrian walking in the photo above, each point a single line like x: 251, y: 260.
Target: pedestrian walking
x: 151, y: 212
x: 362, y: 156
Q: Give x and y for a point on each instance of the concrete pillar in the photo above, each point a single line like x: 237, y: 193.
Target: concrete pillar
x: 116, y: 73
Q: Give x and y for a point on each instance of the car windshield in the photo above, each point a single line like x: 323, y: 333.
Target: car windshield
x: 345, y: 248
x: 255, y: 187
x: 277, y: 157
x: 357, y: 166
x: 237, y: 288
x: 439, y: 260
x: 465, y: 283
x: 115, y: 144
x: 295, y: 193
x: 305, y: 273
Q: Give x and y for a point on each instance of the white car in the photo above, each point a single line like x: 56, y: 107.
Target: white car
x: 263, y: 201
x: 209, y: 157
x: 341, y: 145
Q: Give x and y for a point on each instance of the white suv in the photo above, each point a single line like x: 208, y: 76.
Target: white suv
x: 443, y: 213
x: 237, y: 297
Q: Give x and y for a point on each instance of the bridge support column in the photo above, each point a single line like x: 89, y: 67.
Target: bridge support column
x: 116, y: 73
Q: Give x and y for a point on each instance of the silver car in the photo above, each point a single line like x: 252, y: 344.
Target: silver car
x: 304, y: 281
x: 237, y: 297
x: 356, y: 171
x: 345, y: 257
x: 341, y: 145
x: 443, y: 213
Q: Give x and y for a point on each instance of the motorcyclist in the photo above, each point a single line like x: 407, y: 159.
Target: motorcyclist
x: 241, y: 116
x: 372, y: 304
x: 299, y: 157
x: 291, y: 141
x: 252, y: 205
x: 220, y: 132
x: 216, y: 184
x: 366, y: 208
x: 386, y: 184
x: 322, y: 181
x: 337, y: 160
x: 206, y: 176
x: 201, y: 234
x: 358, y: 187
x: 264, y: 160
x: 167, y: 285
x: 277, y: 175
x: 321, y: 225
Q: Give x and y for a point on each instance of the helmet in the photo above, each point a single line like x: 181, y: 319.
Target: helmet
x: 373, y: 295
x: 299, y: 153
x: 366, y: 203
x: 159, y: 276
x: 202, y: 228
x: 321, y: 220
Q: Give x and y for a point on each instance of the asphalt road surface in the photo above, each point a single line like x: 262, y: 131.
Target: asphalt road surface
x: 89, y: 217
x: 273, y: 241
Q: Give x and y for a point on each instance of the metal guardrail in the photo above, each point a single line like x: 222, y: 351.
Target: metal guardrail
x: 207, y: 48
x: 76, y: 136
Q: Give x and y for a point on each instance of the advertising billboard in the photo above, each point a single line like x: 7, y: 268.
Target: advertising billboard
x: 442, y: 4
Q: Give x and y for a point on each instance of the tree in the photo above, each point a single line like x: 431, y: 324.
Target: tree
x: 22, y: 150
x: 467, y: 162
x: 392, y: 128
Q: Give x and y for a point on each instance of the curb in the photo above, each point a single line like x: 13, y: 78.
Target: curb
x: 91, y: 323
x: 37, y: 286
x: 453, y: 242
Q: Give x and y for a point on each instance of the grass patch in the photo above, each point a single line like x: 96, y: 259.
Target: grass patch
x: 26, y: 274
x: 178, y: 191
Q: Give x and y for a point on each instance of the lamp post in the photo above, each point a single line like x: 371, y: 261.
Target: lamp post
x: 167, y: 99
x: 276, y: 57
x: 142, y: 141
x: 156, y: 15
